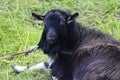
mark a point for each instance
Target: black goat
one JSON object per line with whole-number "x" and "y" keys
{"x": 76, "y": 52}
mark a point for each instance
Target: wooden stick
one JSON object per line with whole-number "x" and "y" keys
{"x": 15, "y": 54}
{"x": 10, "y": 55}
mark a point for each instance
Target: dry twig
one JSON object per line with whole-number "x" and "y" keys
{"x": 11, "y": 55}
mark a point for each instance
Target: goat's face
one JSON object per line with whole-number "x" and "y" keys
{"x": 55, "y": 22}
{"x": 55, "y": 26}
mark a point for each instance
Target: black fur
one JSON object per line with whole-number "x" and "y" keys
{"x": 91, "y": 54}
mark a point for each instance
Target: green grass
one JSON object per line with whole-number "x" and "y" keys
{"x": 19, "y": 31}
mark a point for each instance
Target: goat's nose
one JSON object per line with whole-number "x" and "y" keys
{"x": 51, "y": 36}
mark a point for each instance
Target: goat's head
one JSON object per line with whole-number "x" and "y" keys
{"x": 56, "y": 24}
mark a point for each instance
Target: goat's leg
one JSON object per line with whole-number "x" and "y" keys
{"x": 42, "y": 65}
{"x": 18, "y": 69}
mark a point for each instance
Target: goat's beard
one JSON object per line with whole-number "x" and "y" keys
{"x": 52, "y": 49}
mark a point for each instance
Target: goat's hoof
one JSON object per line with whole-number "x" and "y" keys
{"x": 14, "y": 69}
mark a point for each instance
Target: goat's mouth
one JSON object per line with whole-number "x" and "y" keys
{"x": 51, "y": 41}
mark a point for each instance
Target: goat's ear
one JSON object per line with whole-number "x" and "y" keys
{"x": 36, "y": 16}
{"x": 72, "y": 17}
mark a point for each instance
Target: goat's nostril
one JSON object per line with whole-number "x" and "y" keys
{"x": 53, "y": 35}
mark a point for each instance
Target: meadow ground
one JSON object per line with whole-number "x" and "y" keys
{"x": 19, "y": 31}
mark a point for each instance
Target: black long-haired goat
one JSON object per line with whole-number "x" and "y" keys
{"x": 76, "y": 52}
